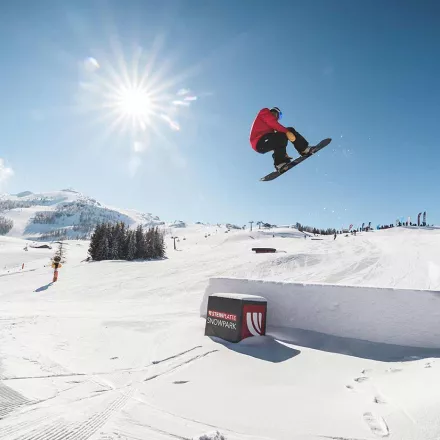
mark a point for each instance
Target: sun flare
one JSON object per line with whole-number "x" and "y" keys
{"x": 134, "y": 102}
{"x": 133, "y": 97}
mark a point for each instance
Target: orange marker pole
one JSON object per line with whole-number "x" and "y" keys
{"x": 56, "y": 265}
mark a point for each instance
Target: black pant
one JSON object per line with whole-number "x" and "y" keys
{"x": 277, "y": 142}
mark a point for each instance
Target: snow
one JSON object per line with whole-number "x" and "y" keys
{"x": 178, "y": 224}
{"x": 239, "y": 296}
{"x": 70, "y": 213}
{"x": 13, "y": 256}
{"x": 215, "y": 435}
{"x": 116, "y": 350}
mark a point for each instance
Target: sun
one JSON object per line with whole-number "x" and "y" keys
{"x": 134, "y": 102}
{"x": 132, "y": 105}
{"x": 134, "y": 97}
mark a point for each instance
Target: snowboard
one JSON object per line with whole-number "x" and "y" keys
{"x": 313, "y": 149}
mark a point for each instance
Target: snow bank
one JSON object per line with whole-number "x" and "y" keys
{"x": 284, "y": 234}
{"x": 392, "y": 316}
{"x": 422, "y": 228}
{"x": 240, "y": 296}
{"x": 178, "y": 224}
{"x": 215, "y": 435}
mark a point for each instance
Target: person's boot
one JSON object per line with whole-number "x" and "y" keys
{"x": 305, "y": 152}
{"x": 283, "y": 162}
{"x": 280, "y": 166}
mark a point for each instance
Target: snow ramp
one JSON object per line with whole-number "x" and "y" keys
{"x": 401, "y": 317}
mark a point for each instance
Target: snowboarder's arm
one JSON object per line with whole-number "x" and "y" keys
{"x": 271, "y": 121}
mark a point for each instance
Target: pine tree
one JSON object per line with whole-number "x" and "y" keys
{"x": 155, "y": 245}
{"x": 101, "y": 243}
{"x": 96, "y": 238}
{"x": 158, "y": 244}
{"x": 5, "y": 225}
{"x": 103, "y": 249}
{"x": 131, "y": 245}
{"x": 161, "y": 238}
{"x": 108, "y": 238}
{"x": 124, "y": 245}
{"x": 61, "y": 252}
{"x": 114, "y": 242}
{"x": 122, "y": 238}
{"x": 149, "y": 243}
{"x": 141, "y": 248}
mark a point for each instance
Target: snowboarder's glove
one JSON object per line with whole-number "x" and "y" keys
{"x": 291, "y": 136}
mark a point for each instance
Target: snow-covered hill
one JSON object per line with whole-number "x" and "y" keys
{"x": 116, "y": 350}
{"x": 63, "y": 214}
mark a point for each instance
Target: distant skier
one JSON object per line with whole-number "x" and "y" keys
{"x": 334, "y": 237}
{"x": 267, "y": 134}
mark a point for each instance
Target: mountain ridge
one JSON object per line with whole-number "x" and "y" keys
{"x": 64, "y": 214}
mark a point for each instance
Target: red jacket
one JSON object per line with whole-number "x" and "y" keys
{"x": 264, "y": 123}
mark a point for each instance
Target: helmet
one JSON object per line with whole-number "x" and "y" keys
{"x": 276, "y": 109}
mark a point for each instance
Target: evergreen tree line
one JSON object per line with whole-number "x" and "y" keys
{"x": 60, "y": 234}
{"x": 5, "y": 225}
{"x": 7, "y": 205}
{"x": 118, "y": 242}
{"x": 44, "y": 218}
{"x": 312, "y": 230}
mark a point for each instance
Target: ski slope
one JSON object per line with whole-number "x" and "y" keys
{"x": 115, "y": 350}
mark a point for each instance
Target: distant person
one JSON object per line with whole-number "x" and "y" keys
{"x": 334, "y": 238}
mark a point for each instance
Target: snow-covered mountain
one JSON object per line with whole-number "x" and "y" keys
{"x": 178, "y": 224}
{"x": 66, "y": 213}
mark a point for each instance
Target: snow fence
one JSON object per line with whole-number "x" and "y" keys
{"x": 392, "y": 316}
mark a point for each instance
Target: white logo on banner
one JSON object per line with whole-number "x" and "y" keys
{"x": 254, "y": 321}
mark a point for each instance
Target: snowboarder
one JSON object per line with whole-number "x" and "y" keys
{"x": 267, "y": 134}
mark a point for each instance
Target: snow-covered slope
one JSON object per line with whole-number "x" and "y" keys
{"x": 116, "y": 350}
{"x": 66, "y": 213}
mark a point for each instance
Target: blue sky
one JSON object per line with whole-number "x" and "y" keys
{"x": 363, "y": 73}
